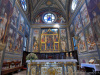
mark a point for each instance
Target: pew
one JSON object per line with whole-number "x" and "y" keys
{"x": 10, "y": 67}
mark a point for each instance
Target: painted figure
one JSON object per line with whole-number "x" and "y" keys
{"x": 3, "y": 21}
{"x": 49, "y": 42}
{"x": 56, "y": 38}
{"x": 96, "y": 21}
{"x": 35, "y": 44}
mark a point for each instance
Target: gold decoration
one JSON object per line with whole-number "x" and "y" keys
{"x": 44, "y": 41}
{"x": 49, "y": 3}
{"x": 33, "y": 71}
{"x": 51, "y": 71}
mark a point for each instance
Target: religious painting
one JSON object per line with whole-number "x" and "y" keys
{"x": 94, "y": 12}
{"x": 56, "y": 38}
{"x": 81, "y": 43}
{"x": 10, "y": 40}
{"x": 90, "y": 39}
{"x": 77, "y": 24}
{"x": 42, "y": 38}
{"x": 5, "y": 13}
{"x": 21, "y": 24}
{"x": 91, "y": 4}
{"x": 19, "y": 44}
{"x": 60, "y": 19}
{"x": 71, "y": 27}
{"x": 35, "y": 40}
{"x": 96, "y": 26}
{"x": 38, "y": 19}
{"x": 56, "y": 46}
{"x": 14, "y": 17}
{"x": 49, "y": 18}
{"x": 43, "y": 46}
{"x": 49, "y": 40}
{"x": 63, "y": 39}
{"x": 84, "y": 15}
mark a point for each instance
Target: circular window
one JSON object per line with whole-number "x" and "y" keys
{"x": 74, "y": 5}
{"x": 23, "y": 3}
{"x": 49, "y": 18}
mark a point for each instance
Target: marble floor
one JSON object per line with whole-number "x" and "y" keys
{"x": 78, "y": 73}
{"x": 20, "y": 73}
{"x": 24, "y": 73}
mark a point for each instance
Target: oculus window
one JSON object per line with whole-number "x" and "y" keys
{"x": 23, "y": 3}
{"x": 49, "y": 18}
{"x": 74, "y": 5}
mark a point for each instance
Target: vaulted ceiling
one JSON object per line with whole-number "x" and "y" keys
{"x": 37, "y": 6}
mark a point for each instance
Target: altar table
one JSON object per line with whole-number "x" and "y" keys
{"x": 96, "y": 67}
{"x": 52, "y": 67}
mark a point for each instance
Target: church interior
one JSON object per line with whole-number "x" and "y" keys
{"x": 49, "y": 37}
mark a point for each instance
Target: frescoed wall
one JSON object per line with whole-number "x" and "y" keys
{"x": 19, "y": 44}
{"x": 77, "y": 24}
{"x": 81, "y": 43}
{"x": 84, "y": 15}
{"x": 21, "y": 24}
{"x": 90, "y": 38}
{"x": 11, "y": 40}
{"x": 85, "y": 22}
{"x": 14, "y": 17}
{"x": 5, "y": 11}
{"x": 94, "y": 12}
{"x": 13, "y": 29}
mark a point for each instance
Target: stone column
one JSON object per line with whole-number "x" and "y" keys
{"x": 30, "y": 39}
{"x": 69, "y": 40}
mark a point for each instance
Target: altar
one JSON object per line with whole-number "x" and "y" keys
{"x": 52, "y": 67}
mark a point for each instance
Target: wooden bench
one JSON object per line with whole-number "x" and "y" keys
{"x": 9, "y": 67}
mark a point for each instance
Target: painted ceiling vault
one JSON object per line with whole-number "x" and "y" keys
{"x": 36, "y": 7}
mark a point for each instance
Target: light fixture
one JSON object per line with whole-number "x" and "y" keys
{"x": 56, "y": 26}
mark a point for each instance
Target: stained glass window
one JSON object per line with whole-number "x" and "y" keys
{"x": 74, "y": 4}
{"x": 23, "y": 3}
{"x": 49, "y": 18}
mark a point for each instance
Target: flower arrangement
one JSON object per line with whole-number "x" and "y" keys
{"x": 31, "y": 56}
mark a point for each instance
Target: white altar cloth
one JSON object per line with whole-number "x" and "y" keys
{"x": 54, "y": 60}
{"x": 95, "y": 66}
